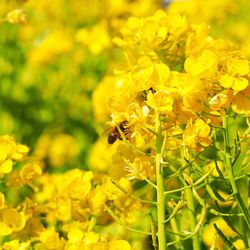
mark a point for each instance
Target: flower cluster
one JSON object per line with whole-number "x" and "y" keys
{"x": 59, "y": 211}
{"x": 173, "y": 90}
{"x": 230, "y": 22}
{"x": 176, "y": 69}
{"x": 10, "y": 151}
{"x": 170, "y": 171}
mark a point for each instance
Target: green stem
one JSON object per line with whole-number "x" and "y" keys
{"x": 160, "y": 188}
{"x": 229, "y": 167}
{"x": 192, "y": 217}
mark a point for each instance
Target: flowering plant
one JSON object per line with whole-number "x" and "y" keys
{"x": 173, "y": 169}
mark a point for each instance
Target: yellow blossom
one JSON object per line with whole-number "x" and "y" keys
{"x": 63, "y": 211}
{"x": 6, "y": 167}
{"x": 50, "y": 240}
{"x": 143, "y": 167}
{"x": 11, "y": 221}
{"x": 2, "y": 200}
{"x": 97, "y": 201}
{"x": 236, "y": 83}
{"x": 29, "y": 172}
{"x": 96, "y": 38}
{"x": 91, "y": 237}
{"x": 119, "y": 245}
{"x": 204, "y": 65}
{"x": 46, "y": 51}
{"x": 161, "y": 101}
{"x": 75, "y": 235}
{"x": 79, "y": 184}
{"x": 241, "y": 102}
{"x": 237, "y": 66}
{"x": 16, "y": 16}
{"x": 197, "y": 133}
{"x": 100, "y": 100}
{"x": 16, "y": 245}
{"x": 10, "y": 151}
{"x": 59, "y": 149}
{"x": 221, "y": 100}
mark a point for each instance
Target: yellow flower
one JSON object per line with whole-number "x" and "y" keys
{"x": 161, "y": 101}
{"x": 236, "y": 70}
{"x": 59, "y": 149}
{"x": 16, "y": 16}
{"x": 2, "y": 200}
{"x": 197, "y": 133}
{"x": 16, "y": 245}
{"x": 236, "y": 83}
{"x": 29, "y": 172}
{"x": 100, "y": 98}
{"x": 241, "y": 102}
{"x": 78, "y": 183}
{"x": 75, "y": 240}
{"x": 53, "y": 45}
{"x": 221, "y": 100}
{"x": 97, "y": 201}
{"x": 91, "y": 237}
{"x": 63, "y": 209}
{"x": 149, "y": 75}
{"x": 96, "y": 38}
{"x": 6, "y": 167}
{"x": 50, "y": 240}
{"x": 202, "y": 66}
{"x": 119, "y": 245}
{"x": 11, "y": 221}
{"x": 10, "y": 151}
{"x": 75, "y": 235}
{"x": 143, "y": 167}
{"x": 237, "y": 66}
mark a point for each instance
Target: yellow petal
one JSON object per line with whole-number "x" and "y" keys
{"x": 3, "y": 152}
{"x": 6, "y": 166}
{"x": 241, "y": 67}
{"x": 91, "y": 237}
{"x": 240, "y": 83}
{"x": 4, "y": 229}
{"x": 119, "y": 245}
{"x": 75, "y": 235}
{"x": 22, "y": 148}
{"x": 14, "y": 219}
{"x": 226, "y": 81}
{"x": 163, "y": 72}
{"x": 133, "y": 23}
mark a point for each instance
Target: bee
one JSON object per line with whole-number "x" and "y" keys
{"x": 114, "y": 134}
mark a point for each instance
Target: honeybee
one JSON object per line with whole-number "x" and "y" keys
{"x": 114, "y": 134}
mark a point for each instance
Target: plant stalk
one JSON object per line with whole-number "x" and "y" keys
{"x": 229, "y": 167}
{"x": 192, "y": 218}
{"x": 160, "y": 188}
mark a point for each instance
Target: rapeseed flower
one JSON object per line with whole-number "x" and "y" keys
{"x": 10, "y": 152}
{"x": 16, "y": 16}
{"x": 45, "y": 50}
{"x": 11, "y": 221}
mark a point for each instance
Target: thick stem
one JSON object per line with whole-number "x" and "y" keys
{"x": 229, "y": 167}
{"x": 160, "y": 188}
{"x": 192, "y": 218}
